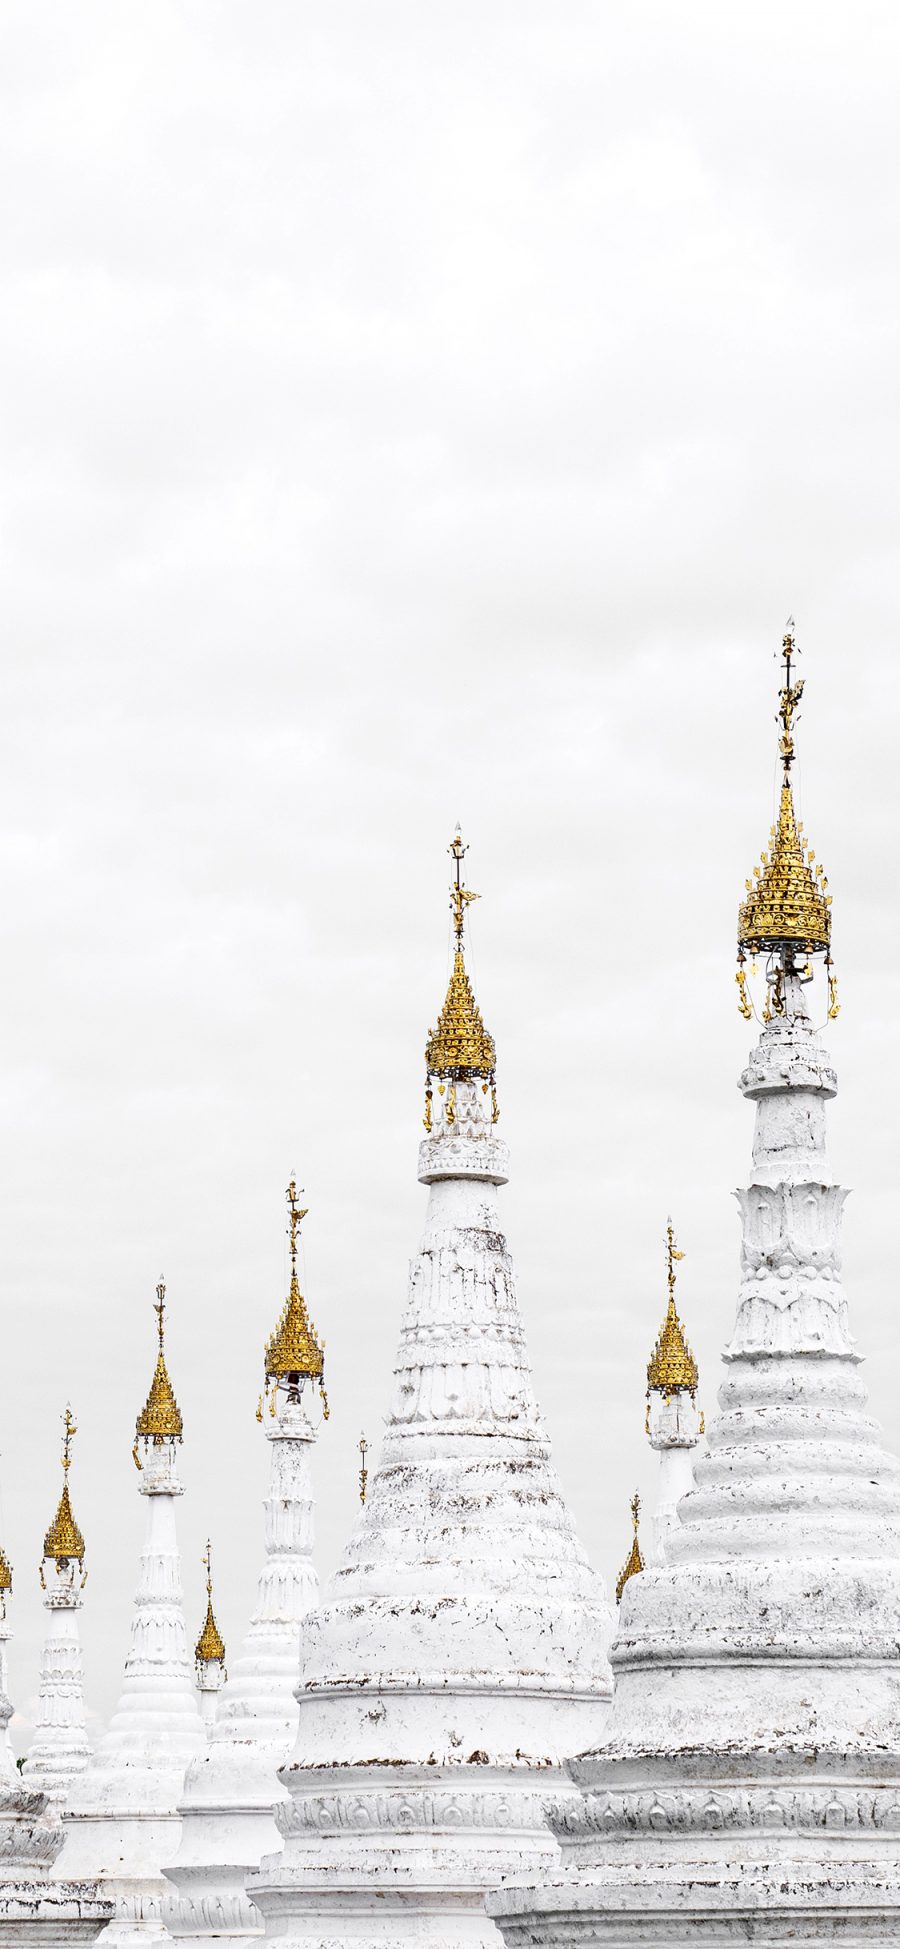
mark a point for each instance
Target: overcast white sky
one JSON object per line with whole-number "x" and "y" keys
{"x": 410, "y": 414}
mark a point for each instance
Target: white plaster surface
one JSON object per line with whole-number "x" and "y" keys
{"x": 121, "y": 1823}
{"x": 673, "y": 1427}
{"x": 748, "y": 1787}
{"x": 461, "y": 1650}
{"x": 60, "y": 1748}
{"x": 231, "y": 1789}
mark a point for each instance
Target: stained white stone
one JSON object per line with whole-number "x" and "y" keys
{"x": 461, "y": 1651}
{"x": 748, "y": 1787}
{"x": 231, "y": 1790}
{"x": 122, "y": 1822}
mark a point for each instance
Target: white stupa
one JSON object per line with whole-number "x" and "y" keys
{"x": 60, "y": 1749}
{"x": 209, "y": 1656}
{"x": 231, "y": 1789}
{"x": 122, "y": 1822}
{"x": 461, "y": 1651}
{"x": 37, "y": 1910}
{"x": 674, "y": 1422}
{"x": 748, "y": 1789}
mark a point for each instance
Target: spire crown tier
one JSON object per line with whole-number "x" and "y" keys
{"x": 460, "y": 1049}
{"x": 672, "y": 1366}
{"x": 160, "y": 1419}
{"x": 786, "y": 911}
{"x": 634, "y": 1563}
{"x": 63, "y": 1541}
{"x": 210, "y": 1646}
{"x": 294, "y": 1354}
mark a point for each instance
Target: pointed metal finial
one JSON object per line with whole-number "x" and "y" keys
{"x": 363, "y": 1472}
{"x": 460, "y": 897}
{"x": 296, "y": 1215}
{"x": 69, "y": 1431}
{"x": 635, "y": 1562}
{"x": 159, "y": 1309}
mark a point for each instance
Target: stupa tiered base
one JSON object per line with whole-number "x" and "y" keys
{"x": 749, "y": 1786}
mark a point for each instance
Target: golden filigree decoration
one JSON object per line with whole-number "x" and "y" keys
{"x": 160, "y": 1419}
{"x": 210, "y": 1646}
{"x": 786, "y": 910}
{"x": 635, "y": 1562}
{"x": 63, "y": 1540}
{"x": 363, "y": 1471}
{"x": 294, "y": 1353}
{"x": 672, "y": 1368}
{"x": 6, "y": 1578}
{"x": 460, "y": 1048}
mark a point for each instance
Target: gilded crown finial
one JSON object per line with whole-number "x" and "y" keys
{"x": 363, "y": 1471}
{"x": 294, "y": 1355}
{"x": 460, "y": 1049}
{"x": 634, "y": 1563}
{"x": 63, "y": 1541}
{"x": 672, "y": 1368}
{"x": 210, "y": 1646}
{"x": 786, "y": 912}
{"x": 160, "y": 1418}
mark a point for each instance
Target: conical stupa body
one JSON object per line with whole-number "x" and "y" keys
{"x": 122, "y": 1821}
{"x": 231, "y": 1789}
{"x": 748, "y": 1788}
{"x": 60, "y": 1749}
{"x": 461, "y": 1651}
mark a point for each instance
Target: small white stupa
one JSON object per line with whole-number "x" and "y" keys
{"x": 209, "y": 1654}
{"x": 60, "y": 1750}
{"x": 461, "y": 1651}
{"x": 121, "y": 1822}
{"x": 674, "y": 1421}
{"x": 231, "y": 1789}
{"x": 35, "y": 1909}
{"x": 748, "y": 1789}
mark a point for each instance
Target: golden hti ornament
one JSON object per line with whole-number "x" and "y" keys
{"x": 210, "y": 1646}
{"x": 363, "y": 1471}
{"x": 294, "y": 1355}
{"x": 460, "y": 1049}
{"x": 786, "y": 912}
{"x": 160, "y": 1418}
{"x": 671, "y": 1368}
{"x": 6, "y": 1581}
{"x": 63, "y": 1542}
{"x": 635, "y": 1562}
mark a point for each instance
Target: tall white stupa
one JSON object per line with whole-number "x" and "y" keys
{"x": 461, "y": 1651}
{"x": 38, "y": 1910}
{"x": 209, "y": 1654}
{"x": 232, "y": 1788}
{"x": 748, "y": 1788}
{"x": 60, "y": 1749}
{"x": 674, "y": 1422}
{"x": 121, "y": 1821}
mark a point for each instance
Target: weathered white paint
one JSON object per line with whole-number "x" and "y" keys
{"x": 461, "y": 1651}
{"x": 35, "y": 1910}
{"x": 60, "y": 1748}
{"x": 231, "y": 1790}
{"x": 122, "y": 1822}
{"x": 673, "y": 1426}
{"x": 749, "y": 1785}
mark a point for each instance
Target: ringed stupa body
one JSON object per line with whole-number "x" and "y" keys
{"x": 38, "y": 1908}
{"x": 461, "y": 1649}
{"x": 60, "y": 1748}
{"x": 121, "y": 1820}
{"x": 231, "y": 1789}
{"x": 748, "y": 1787}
